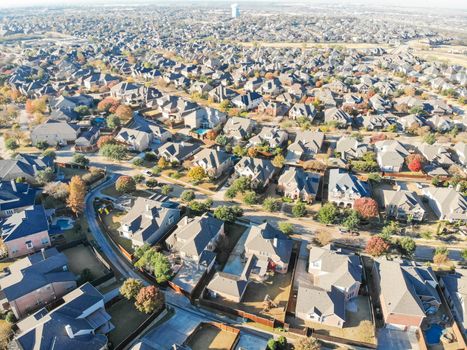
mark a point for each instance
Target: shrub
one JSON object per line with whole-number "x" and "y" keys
{"x": 250, "y": 197}
{"x": 299, "y": 209}
{"x": 327, "y": 214}
{"x": 187, "y": 196}
{"x": 125, "y": 184}
{"x": 376, "y": 246}
{"x": 271, "y": 204}
{"x": 149, "y": 299}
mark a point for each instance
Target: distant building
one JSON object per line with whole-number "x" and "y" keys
{"x": 235, "y": 11}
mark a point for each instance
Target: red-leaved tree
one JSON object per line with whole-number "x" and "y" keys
{"x": 415, "y": 165}
{"x": 366, "y": 207}
{"x": 149, "y": 299}
{"x": 376, "y": 246}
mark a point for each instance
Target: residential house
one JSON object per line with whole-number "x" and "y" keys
{"x": 35, "y": 281}
{"x": 390, "y": 155}
{"x": 87, "y": 141}
{"x": 80, "y": 323}
{"x": 374, "y": 122}
{"x": 259, "y": 171}
{"x": 26, "y": 231}
{"x": 344, "y": 188}
{"x": 447, "y": 203}
{"x": 214, "y": 162}
{"x": 295, "y": 183}
{"x": 349, "y": 148}
{"x": 55, "y": 133}
{"x": 298, "y": 110}
{"x": 239, "y": 128}
{"x": 221, "y": 93}
{"x": 23, "y": 166}
{"x": 436, "y": 154}
{"x": 305, "y": 146}
{"x": 338, "y": 117}
{"x": 454, "y": 287}
{"x": 406, "y": 306}
{"x": 247, "y": 101}
{"x": 15, "y": 197}
{"x": 272, "y": 136}
{"x": 157, "y": 134}
{"x": 136, "y": 140}
{"x": 273, "y": 109}
{"x": 148, "y": 221}
{"x": 178, "y": 151}
{"x": 461, "y": 150}
{"x": 403, "y": 205}
{"x": 205, "y": 118}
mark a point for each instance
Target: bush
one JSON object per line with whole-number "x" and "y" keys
{"x": 113, "y": 151}
{"x": 138, "y": 162}
{"x": 166, "y": 189}
{"x": 299, "y": 210}
{"x": 45, "y": 176}
{"x": 10, "y": 317}
{"x": 42, "y": 145}
{"x": 226, "y": 213}
{"x": 187, "y": 196}
{"x": 85, "y": 276}
{"x": 151, "y": 183}
{"x": 327, "y": 214}
{"x": 11, "y": 144}
{"x": 286, "y": 227}
{"x": 125, "y": 184}
{"x": 250, "y": 197}
{"x": 271, "y": 204}
{"x": 80, "y": 159}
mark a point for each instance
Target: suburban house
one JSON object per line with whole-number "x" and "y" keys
{"x": 454, "y": 287}
{"x": 406, "y": 306}
{"x": 23, "y": 166}
{"x": 80, "y": 323}
{"x": 338, "y": 117}
{"x": 447, "y": 203}
{"x": 26, "y": 231}
{"x": 247, "y": 101}
{"x": 349, "y": 148}
{"x": 55, "y": 133}
{"x": 298, "y": 110}
{"x": 35, "y": 281}
{"x": 259, "y": 171}
{"x": 273, "y": 108}
{"x": 157, "y": 134}
{"x": 15, "y": 197}
{"x": 296, "y": 183}
{"x": 344, "y": 188}
{"x": 436, "y": 154}
{"x": 305, "y": 146}
{"x": 148, "y": 221}
{"x": 375, "y": 122}
{"x": 390, "y": 155}
{"x": 271, "y": 136}
{"x": 87, "y": 141}
{"x": 239, "y": 128}
{"x": 136, "y": 140}
{"x": 461, "y": 150}
{"x": 204, "y": 118}
{"x": 214, "y": 162}
{"x": 403, "y": 205}
{"x": 178, "y": 151}
{"x": 221, "y": 93}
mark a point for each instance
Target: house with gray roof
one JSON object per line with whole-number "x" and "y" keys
{"x": 259, "y": 171}
{"x": 238, "y": 128}
{"x": 215, "y": 162}
{"x": 447, "y": 203}
{"x": 298, "y": 110}
{"x": 390, "y": 155}
{"x": 35, "y": 281}
{"x": 306, "y": 145}
{"x": 271, "y": 136}
{"x": 436, "y": 154}
{"x": 349, "y": 148}
{"x": 295, "y": 183}
{"x": 80, "y": 323}
{"x": 344, "y": 188}
{"x": 55, "y": 133}
{"x": 23, "y": 166}
{"x": 178, "y": 151}
{"x": 461, "y": 149}
{"x": 148, "y": 221}
{"x": 337, "y": 116}
{"x": 406, "y": 306}
{"x": 204, "y": 118}
{"x": 403, "y": 205}
{"x": 136, "y": 140}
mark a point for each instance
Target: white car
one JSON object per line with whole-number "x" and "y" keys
{"x": 147, "y": 172}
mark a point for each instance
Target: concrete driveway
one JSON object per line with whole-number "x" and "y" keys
{"x": 391, "y": 339}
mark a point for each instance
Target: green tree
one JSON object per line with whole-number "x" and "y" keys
{"x": 113, "y": 121}
{"x": 139, "y": 251}
{"x": 11, "y": 144}
{"x": 352, "y": 220}
{"x": 113, "y": 151}
{"x": 429, "y": 138}
{"x": 239, "y": 151}
{"x": 389, "y": 230}
{"x": 231, "y": 192}
{"x": 44, "y": 176}
{"x": 408, "y": 245}
{"x": 250, "y": 197}
{"x": 278, "y": 161}
{"x": 187, "y": 196}
{"x": 42, "y": 145}
{"x": 166, "y": 189}
{"x": 222, "y": 140}
{"x": 49, "y": 154}
{"x": 299, "y": 209}
{"x": 286, "y": 227}
{"x": 200, "y": 206}
{"x": 327, "y": 214}
{"x": 162, "y": 268}
{"x": 80, "y": 159}
{"x": 138, "y": 162}
{"x": 271, "y": 204}
{"x": 226, "y": 213}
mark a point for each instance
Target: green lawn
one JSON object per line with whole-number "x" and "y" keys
{"x": 112, "y": 223}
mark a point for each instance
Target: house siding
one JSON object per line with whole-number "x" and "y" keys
{"x": 17, "y": 247}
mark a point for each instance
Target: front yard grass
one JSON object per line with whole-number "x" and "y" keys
{"x": 126, "y": 320}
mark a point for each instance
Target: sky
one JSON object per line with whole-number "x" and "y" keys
{"x": 457, "y": 4}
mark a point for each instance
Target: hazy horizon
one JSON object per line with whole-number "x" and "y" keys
{"x": 446, "y": 4}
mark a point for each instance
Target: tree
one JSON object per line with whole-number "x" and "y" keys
{"x": 82, "y": 110}
{"x": 226, "y": 213}
{"x": 196, "y": 173}
{"x": 464, "y": 254}
{"x": 252, "y": 152}
{"x": 272, "y": 344}
{"x": 200, "y": 207}
{"x": 250, "y": 197}
{"x": 104, "y": 140}
{"x": 149, "y": 299}
{"x": 327, "y": 214}
{"x": 42, "y": 145}
{"x": 125, "y": 184}
{"x": 307, "y": 344}
{"x": 162, "y": 163}
{"x": 113, "y": 151}
{"x": 231, "y": 192}
{"x": 138, "y": 162}
{"x": 239, "y": 151}
{"x": 376, "y": 246}
{"x": 389, "y": 230}
{"x": 222, "y": 140}
{"x": 124, "y": 112}
{"x": 113, "y": 121}
{"x": 77, "y": 194}
{"x": 286, "y": 227}
{"x": 440, "y": 259}
{"x": 187, "y": 196}
{"x": 139, "y": 251}
{"x": 408, "y": 245}
{"x": 80, "y": 159}
{"x": 45, "y": 176}
{"x": 367, "y": 207}
{"x": 429, "y": 138}
{"x": 57, "y": 190}
{"x": 161, "y": 267}
{"x": 49, "y": 154}
{"x": 166, "y": 189}
{"x": 6, "y": 333}
{"x": 108, "y": 104}
{"x": 278, "y": 161}
{"x": 415, "y": 165}
{"x": 271, "y": 204}
{"x": 299, "y": 209}
{"x": 352, "y": 220}
{"x": 11, "y": 144}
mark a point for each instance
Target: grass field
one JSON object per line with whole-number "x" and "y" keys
{"x": 81, "y": 257}
{"x": 210, "y": 337}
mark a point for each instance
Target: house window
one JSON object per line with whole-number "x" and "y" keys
{"x": 29, "y": 245}
{"x": 45, "y": 241}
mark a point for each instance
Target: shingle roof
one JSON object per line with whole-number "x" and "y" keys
{"x": 27, "y": 222}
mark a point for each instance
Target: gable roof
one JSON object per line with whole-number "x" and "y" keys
{"x": 16, "y": 195}
{"x": 27, "y": 222}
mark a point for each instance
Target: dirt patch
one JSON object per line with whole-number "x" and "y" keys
{"x": 210, "y": 337}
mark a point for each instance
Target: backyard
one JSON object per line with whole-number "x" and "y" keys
{"x": 208, "y": 336}
{"x": 112, "y": 223}
{"x": 233, "y": 233}
{"x": 81, "y": 257}
{"x": 111, "y": 191}
{"x": 125, "y": 318}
